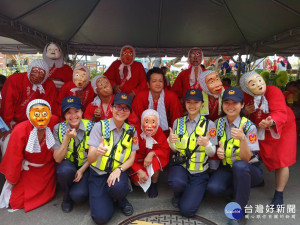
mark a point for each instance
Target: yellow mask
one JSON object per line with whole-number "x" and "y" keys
{"x": 40, "y": 116}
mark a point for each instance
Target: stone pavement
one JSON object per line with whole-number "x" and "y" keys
{"x": 211, "y": 208}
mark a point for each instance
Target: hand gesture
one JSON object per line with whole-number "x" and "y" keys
{"x": 238, "y": 133}
{"x": 249, "y": 109}
{"x": 97, "y": 112}
{"x": 71, "y": 133}
{"x": 265, "y": 123}
{"x": 220, "y": 151}
{"x": 117, "y": 89}
{"x": 172, "y": 137}
{"x": 142, "y": 175}
{"x": 115, "y": 175}
{"x": 148, "y": 159}
{"x": 78, "y": 176}
{"x": 203, "y": 140}
{"x": 102, "y": 149}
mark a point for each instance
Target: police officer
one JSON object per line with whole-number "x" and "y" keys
{"x": 238, "y": 147}
{"x": 112, "y": 151}
{"x": 194, "y": 139}
{"x": 70, "y": 152}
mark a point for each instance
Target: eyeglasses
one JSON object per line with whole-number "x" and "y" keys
{"x": 119, "y": 108}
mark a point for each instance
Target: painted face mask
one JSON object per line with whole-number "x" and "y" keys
{"x": 104, "y": 87}
{"x": 53, "y": 52}
{"x": 195, "y": 57}
{"x": 150, "y": 125}
{"x": 256, "y": 84}
{"x": 37, "y": 75}
{"x": 213, "y": 83}
{"x": 80, "y": 78}
{"x": 39, "y": 116}
{"x": 127, "y": 55}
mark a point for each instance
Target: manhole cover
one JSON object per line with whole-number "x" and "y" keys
{"x": 165, "y": 217}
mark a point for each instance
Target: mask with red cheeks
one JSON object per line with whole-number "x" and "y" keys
{"x": 150, "y": 125}
{"x": 213, "y": 83}
{"x": 127, "y": 55}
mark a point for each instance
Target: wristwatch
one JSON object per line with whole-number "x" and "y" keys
{"x": 273, "y": 124}
{"x": 120, "y": 168}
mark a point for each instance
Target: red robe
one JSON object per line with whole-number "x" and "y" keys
{"x": 160, "y": 159}
{"x": 172, "y": 105}
{"x": 33, "y": 187}
{"x": 64, "y": 73}
{"x": 17, "y": 93}
{"x": 276, "y": 153}
{"x": 136, "y": 83}
{"x": 133, "y": 120}
{"x": 182, "y": 83}
{"x": 88, "y": 94}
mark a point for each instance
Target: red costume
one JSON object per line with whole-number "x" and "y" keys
{"x": 89, "y": 113}
{"x": 33, "y": 187}
{"x": 160, "y": 160}
{"x": 88, "y": 93}
{"x": 172, "y": 105}
{"x": 276, "y": 153}
{"x": 17, "y": 93}
{"x": 64, "y": 73}
{"x": 182, "y": 83}
{"x": 136, "y": 83}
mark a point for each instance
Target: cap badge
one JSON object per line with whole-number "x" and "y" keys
{"x": 123, "y": 96}
{"x": 70, "y": 100}
{"x": 193, "y": 92}
{"x": 231, "y": 92}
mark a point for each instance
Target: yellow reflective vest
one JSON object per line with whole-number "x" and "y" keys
{"x": 188, "y": 142}
{"x": 117, "y": 154}
{"x": 80, "y": 154}
{"x": 232, "y": 145}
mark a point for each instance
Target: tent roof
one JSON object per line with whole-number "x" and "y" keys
{"x": 156, "y": 27}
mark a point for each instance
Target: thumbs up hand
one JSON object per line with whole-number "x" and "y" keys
{"x": 102, "y": 149}
{"x": 172, "y": 137}
{"x": 238, "y": 133}
{"x": 203, "y": 140}
{"x": 265, "y": 123}
{"x": 220, "y": 151}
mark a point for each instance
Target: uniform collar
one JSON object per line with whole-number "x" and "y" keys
{"x": 112, "y": 125}
{"x": 196, "y": 118}
{"x": 236, "y": 122}
{"x": 81, "y": 126}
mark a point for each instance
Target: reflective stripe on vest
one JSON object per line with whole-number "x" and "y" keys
{"x": 189, "y": 142}
{"x": 231, "y": 146}
{"x": 82, "y": 148}
{"x": 116, "y": 154}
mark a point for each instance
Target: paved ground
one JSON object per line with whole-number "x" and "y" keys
{"x": 211, "y": 208}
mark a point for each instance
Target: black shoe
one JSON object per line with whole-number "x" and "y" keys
{"x": 152, "y": 191}
{"x": 175, "y": 201}
{"x": 277, "y": 199}
{"x": 126, "y": 207}
{"x": 67, "y": 206}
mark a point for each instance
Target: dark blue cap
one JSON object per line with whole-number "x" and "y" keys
{"x": 195, "y": 94}
{"x": 70, "y": 102}
{"x": 234, "y": 94}
{"x": 122, "y": 98}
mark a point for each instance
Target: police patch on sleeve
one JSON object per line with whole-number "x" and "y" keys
{"x": 252, "y": 137}
{"x": 135, "y": 139}
{"x": 212, "y": 132}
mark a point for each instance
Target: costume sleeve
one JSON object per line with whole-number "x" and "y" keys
{"x": 137, "y": 104}
{"x": 68, "y": 73}
{"x": 111, "y": 72}
{"x": 11, "y": 164}
{"x": 141, "y": 75}
{"x": 277, "y": 106}
{"x": 89, "y": 112}
{"x": 9, "y": 98}
{"x": 178, "y": 85}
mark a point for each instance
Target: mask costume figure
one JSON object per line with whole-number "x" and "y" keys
{"x": 80, "y": 87}
{"x": 59, "y": 72}
{"x": 266, "y": 107}
{"x": 28, "y": 164}
{"x": 127, "y": 75}
{"x": 70, "y": 153}
{"x": 113, "y": 145}
{"x": 189, "y": 78}
{"x": 153, "y": 154}
{"x": 192, "y": 139}
{"x": 101, "y": 107}
{"x": 21, "y": 88}
{"x": 165, "y": 102}
{"x": 212, "y": 91}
